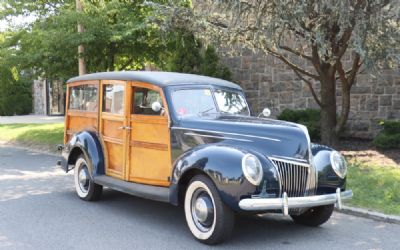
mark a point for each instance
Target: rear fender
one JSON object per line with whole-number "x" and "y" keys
{"x": 88, "y": 144}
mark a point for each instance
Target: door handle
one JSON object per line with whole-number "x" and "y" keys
{"x": 125, "y": 127}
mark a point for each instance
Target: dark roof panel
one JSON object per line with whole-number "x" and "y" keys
{"x": 156, "y": 77}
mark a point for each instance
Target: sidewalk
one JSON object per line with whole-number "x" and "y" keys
{"x": 41, "y": 119}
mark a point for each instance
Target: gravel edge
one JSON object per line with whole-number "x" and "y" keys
{"x": 369, "y": 214}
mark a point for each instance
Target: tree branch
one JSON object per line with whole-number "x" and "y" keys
{"x": 297, "y": 53}
{"x": 309, "y": 84}
{"x": 292, "y": 65}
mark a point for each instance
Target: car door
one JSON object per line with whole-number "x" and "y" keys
{"x": 113, "y": 124}
{"x": 149, "y": 151}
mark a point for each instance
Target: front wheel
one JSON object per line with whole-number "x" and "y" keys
{"x": 314, "y": 216}
{"x": 84, "y": 185}
{"x": 208, "y": 218}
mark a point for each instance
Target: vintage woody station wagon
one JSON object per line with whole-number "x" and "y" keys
{"x": 191, "y": 140}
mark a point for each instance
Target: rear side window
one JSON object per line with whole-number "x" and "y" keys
{"x": 84, "y": 98}
{"x": 113, "y": 99}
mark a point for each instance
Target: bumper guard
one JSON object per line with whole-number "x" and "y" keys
{"x": 285, "y": 203}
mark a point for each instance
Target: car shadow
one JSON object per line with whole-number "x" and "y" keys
{"x": 249, "y": 229}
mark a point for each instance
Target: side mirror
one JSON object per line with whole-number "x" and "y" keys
{"x": 156, "y": 106}
{"x": 266, "y": 112}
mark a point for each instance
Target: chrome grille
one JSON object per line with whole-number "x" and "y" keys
{"x": 297, "y": 179}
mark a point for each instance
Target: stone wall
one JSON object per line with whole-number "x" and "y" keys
{"x": 39, "y": 97}
{"x": 270, "y": 83}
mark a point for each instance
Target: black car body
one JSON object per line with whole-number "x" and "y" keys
{"x": 243, "y": 162}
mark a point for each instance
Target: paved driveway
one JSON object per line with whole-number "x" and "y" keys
{"x": 39, "y": 210}
{"x": 30, "y": 119}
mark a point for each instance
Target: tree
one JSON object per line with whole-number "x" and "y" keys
{"x": 117, "y": 36}
{"x": 187, "y": 54}
{"x": 311, "y": 37}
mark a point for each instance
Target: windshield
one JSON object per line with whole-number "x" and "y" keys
{"x": 201, "y": 102}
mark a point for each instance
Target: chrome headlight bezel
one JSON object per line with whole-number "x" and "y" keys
{"x": 339, "y": 164}
{"x": 250, "y": 163}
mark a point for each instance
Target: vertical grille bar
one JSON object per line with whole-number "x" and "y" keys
{"x": 296, "y": 179}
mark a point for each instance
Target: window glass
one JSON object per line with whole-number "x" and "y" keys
{"x": 143, "y": 99}
{"x": 193, "y": 102}
{"x": 113, "y": 98}
{"x": 83, "y": 97}
{"x": 231, "y": 102}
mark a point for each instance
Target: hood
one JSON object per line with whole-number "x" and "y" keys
{"x": 267, "y": 136}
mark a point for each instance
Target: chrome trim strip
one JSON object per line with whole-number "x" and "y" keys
{"x": 288, "y": 158}
{"x": 218, "y": 137}
{"x": 290, "y": 162}
{"x": 227, "y": 133}
{"x": 260, "y": 204}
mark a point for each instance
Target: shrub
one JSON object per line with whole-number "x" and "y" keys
{"x": 188, "y": 55}
{"x": 389, "y": 137}
{"x": 307, "y": 117}
{"x": 15, "y": 94}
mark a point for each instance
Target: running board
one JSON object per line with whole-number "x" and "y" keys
{"x": 140, "y": 190}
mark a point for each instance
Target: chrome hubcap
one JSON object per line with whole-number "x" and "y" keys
{"x": 83, "y": 178}
{"x": 202, "y": 210}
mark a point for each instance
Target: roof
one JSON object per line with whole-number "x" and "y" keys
{"x": 158, "y": 78}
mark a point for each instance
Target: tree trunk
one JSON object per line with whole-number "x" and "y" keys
{"x": 81, "y": 48}
{"x": 328, "y": 108}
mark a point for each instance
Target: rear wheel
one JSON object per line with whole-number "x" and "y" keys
{"x": 208, "y": 218}
{"x": 314, "y": 216}
{"x": 84, "y": 185}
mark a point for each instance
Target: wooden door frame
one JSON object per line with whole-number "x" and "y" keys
{"x": 147, "y": 119}
{"x": 114, "y": 117}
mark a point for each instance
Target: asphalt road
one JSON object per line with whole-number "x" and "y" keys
{"x": 40, "y": 210}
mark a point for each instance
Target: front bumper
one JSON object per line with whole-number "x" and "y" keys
{"x": 285, "y": 203}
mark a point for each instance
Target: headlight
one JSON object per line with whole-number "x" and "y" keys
{"x": 339, "y": 164}
{"x": 252, "y": 169}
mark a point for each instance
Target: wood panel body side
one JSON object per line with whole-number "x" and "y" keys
{"x": 113, "y": 136}
{"x": 149, "y": 145}
{"x": 79, "y": 120}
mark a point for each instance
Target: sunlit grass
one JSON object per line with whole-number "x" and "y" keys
{"x": 41, "y": 134}
{"x": 375, "y": 187}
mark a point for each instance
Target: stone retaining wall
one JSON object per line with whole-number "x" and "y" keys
{"x": 270, "y": 83}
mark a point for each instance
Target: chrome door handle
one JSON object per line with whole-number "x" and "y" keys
{"x": 125, "y": 127}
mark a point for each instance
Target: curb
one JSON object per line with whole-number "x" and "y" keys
{"x": 369, "y": 214}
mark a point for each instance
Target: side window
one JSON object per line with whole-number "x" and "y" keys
{"x": 83, "y": 97}
{"x": 143, "y": 99}
{"x": 113, "y": 98}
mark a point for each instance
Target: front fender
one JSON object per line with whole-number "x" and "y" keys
{"x": 88, "y": 143}
{"x": 223, "y": 165}
{"x": 328, "y": 181}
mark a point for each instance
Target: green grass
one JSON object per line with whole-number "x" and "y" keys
{"x": 375, "y": 187}
{"x": 33, "y": 134}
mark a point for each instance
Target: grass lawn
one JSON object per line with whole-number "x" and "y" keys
{"x": 375, "y": 187}
{"x": 35, "y": 135}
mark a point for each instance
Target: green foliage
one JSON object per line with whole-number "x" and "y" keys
{"x": 188, "y": 55}
{"x": 118, "y": 36}
{"x": 389, "y": 137}
{"x": 15, "y": 94}
{"x": 308, "y": 117}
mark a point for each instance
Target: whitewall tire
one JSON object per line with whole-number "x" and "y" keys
{"x": 85, "y": 188}
{"x": 208, "y": 218}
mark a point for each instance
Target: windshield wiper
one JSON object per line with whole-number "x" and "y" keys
{"x": 205, "y": 111}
